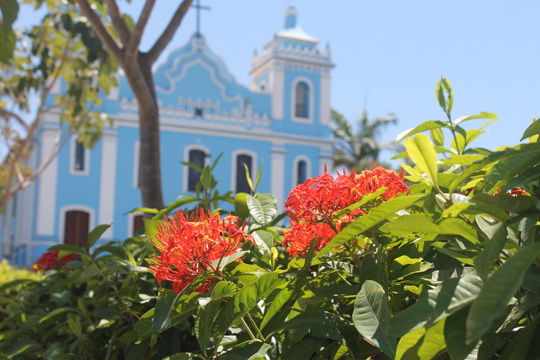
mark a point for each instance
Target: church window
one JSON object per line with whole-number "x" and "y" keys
{"x": 138, "y": 224}
{"x": 79, "y": 158}
{"x": 242, "y": 184}
{"x": 198, "y": 158}
{"x": 301, "y": 172}
{"x": 198, "y": 112}
{"x": 302, "y": 100}
{"x": 76, "y": 226}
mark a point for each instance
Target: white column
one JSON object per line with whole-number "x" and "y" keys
{"x": 325, "y": 99}
{"x": 278, "y": 175}
{"x": 277, "y": 83}
{"x": 325, "y": 158}
{"x": 108, "y": 181}
{"x": 47, "y": 184}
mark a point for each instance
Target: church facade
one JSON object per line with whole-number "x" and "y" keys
{"x": 281, "y": 121}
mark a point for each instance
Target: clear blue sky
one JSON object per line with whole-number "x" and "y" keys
{"x": 389, "y": 54}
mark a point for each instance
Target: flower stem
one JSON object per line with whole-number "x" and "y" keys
{"x": 259, "y": 334}
{"x": 248, "y": 329}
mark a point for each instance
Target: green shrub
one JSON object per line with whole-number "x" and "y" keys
{"x": 447, "y": 267}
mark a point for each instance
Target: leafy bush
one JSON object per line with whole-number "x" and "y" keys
{"x": 444, "y": 266}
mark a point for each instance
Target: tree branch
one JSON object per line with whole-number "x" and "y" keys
{"x": 132, "y": 47}
{"x": 169, "y": 31}
{"x": 101, "y": 30}
{"x": 118, "y": 22}
{"x": 8, "y": 114}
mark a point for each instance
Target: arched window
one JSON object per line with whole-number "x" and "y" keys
{"x": 302, "y": 100}
{"x": 138, "y": 223}
{"x": 302, "y": 172}
{"x": 196, "y": 157}
{"x": 79, "y": 158}
{"x": 242, "y": 184}
{"x": 76, "y": 227}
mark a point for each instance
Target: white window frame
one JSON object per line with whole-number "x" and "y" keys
{"x": 73, "y": 148}
{"x": 136, "y": 164}
{"x": 295, "y": 168}
{"x": 62, "y": 220}
{"x": 311, "y": 96}
{"x": 187, "y": 149}
{"x": 234, "y": 162}
{"x": 131, "y": 220}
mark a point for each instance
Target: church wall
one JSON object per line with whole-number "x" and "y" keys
{"x": 305, "y": 128}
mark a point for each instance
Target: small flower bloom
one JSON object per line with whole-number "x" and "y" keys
{"x": 189, "y": 246}
{"x": 297, "y": 239}
{"x": 49, "y": 260}
{"x": 512, "y": 192}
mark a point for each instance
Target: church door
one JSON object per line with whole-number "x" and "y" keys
{"x": 76, "y": 228}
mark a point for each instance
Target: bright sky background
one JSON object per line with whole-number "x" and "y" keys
{"x": 389, "y": 54}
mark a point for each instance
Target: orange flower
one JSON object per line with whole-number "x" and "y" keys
{"x": 189, "y": 246}
{"x": 313, "y": 204}
{"x": 298, "y": 238}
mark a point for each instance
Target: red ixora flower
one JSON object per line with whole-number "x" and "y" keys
{"x": 49, "y": 260}
{"x": 189, "y": 246}
{"x": 513, "y": 192}
{"x": 317, "y": 200}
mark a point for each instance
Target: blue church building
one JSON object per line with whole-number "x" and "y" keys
{"x": 282, "y": 120}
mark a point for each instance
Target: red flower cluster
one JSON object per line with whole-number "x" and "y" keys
{"x": 312, "y": 205}
{"x": 189, "y": 246}
{"x": 513, "y": 192}
{"x": 49, "y": 260}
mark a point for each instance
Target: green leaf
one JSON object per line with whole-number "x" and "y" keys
{"x": 95, "y": 234}
{"x": 437, "y": 136}
{"x": 533, "y": 129}
{"x": 450, "y": 100}
{"x": 205, "y": 320}
{"x": 473, "y": 208}
{"x": 174, "y": 205}
{"x": 433, "y": 305}
{"x": 425, "y": 126}
{"x": 69, "y": 248}
{"x": 9, "y": 9}
{"x": 367, "y": 202}
{"x": 183, "y": 356}
{"x": 264, "y": 240}
{"x": 491, "y": 253}
{"x": 519, "y": 347}
{"x": 439, "y": 92}
{"x": 422, "y": 344}
{"x": 372, "y": 218}
{"x": 263, "y": 208}
{"x": 55, "y": 313}
{"x": 151, "y": 228}
{"x": 248, "y": 178}
{"x": 482, "y": 115}
{"x": 422, "y": 152}
{"x": 371, "y": 316}
{"x": 241, "y": 208}
{"x": 249, "y": 350}
{"x": 498, "y": 291}
{"x": 162, "y": 316}
{"x": 455, "y": 335}
{"x": 320, "y": 324}
{"x": 462, "y": 159}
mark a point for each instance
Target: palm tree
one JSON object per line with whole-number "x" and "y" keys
{"x": 359, "y": 148}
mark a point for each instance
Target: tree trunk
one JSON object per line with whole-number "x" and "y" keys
{"x": 142, "y": 84}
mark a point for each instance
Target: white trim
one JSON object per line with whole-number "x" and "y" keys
{"x": 108, "y": 181}
{"x": 234, "y": 164}
{"x": 46, "y": 204}
{"x": 136, "y": 164}
{"x": 211, "y": 71}
{"x": 187, "y": 126}
{"x": 72, "y": 150}
{"x": 65, "y": 209}
{"x": 131, "y": 220}
{"x": 295, "y": 168}
{"x": 311, "y": 91}
{"x": 187, "y": 149}
{"x": 324, "y": 99}
{"x": 277, "y": 186}
{"x": 276, "y": 80}
{"x": 265, "y": 89}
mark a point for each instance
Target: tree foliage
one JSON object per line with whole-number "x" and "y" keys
{"x": 357, "y": 146}
{"x": 60, "y": 53}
